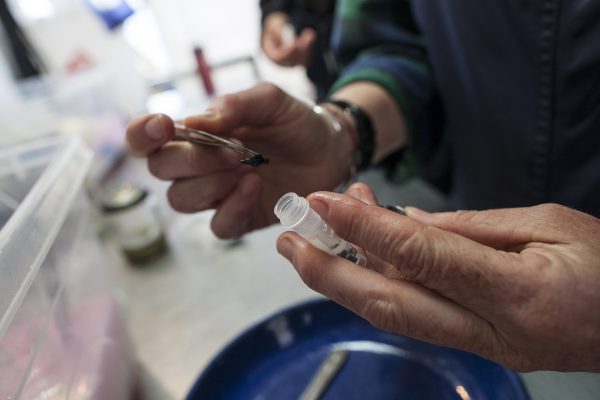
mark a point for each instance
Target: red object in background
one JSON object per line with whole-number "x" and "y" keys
{"x": 204, "y": 71}
{"x": 79, "y": 62}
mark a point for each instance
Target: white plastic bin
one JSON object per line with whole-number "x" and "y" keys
{"x": 62, "y": 335}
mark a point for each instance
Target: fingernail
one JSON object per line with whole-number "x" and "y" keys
{"x": 354, "y": 191}
{"x": 192, "y": 120}
{"x": 285, "y": 248}
{"x": 359, "y": 194}
{"x": 321, "y": 208}
{"x": 208, "y": 113}
{"x": 155, "y": 128}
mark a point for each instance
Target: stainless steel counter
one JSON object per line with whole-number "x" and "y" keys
{"x": 184, "y": 308}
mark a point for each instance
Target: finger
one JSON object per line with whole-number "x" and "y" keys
{"x": 233, "y": 216}
{"x": 274, "y": 36}
{"x": 283, "y": 52}
{"x": 148, "y": 133}
{"x": 176, "y": 160}
{"x": 197, "y": 194}
{"x": 362, "y": 192}
{"x": 284, "y": 56}
{"x": 471, "y": 274}
{"x": 504, "y": 229}
{"x": 306, "y": 39}
{"x": 252, "y": 107}
{"x": 378, "y": 265}
{"x": 273, "y": 27}
{"x": 280, "y": 51}
{"x": 396, "y": 306}
{"x": 272, "y": 45}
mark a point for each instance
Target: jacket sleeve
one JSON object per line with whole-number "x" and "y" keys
{"x": 378, "y": 41}
{"x": 269, "y": 6}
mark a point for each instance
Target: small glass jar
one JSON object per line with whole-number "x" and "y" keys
{"x": 133, "y": 212}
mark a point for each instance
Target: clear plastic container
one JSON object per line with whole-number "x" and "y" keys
{"x": 62, "y": 334}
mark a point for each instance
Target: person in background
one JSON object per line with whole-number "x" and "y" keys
{"x": 298, "y": 32}
{"x": 515, "y": 87}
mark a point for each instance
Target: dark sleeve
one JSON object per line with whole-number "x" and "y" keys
{"x": 269, "y": 6}
{"x": 378, "y": 41}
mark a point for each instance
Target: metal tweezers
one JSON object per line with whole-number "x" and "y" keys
{"x": 197, "y": 136}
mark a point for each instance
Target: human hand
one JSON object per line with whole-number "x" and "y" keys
{"x": 305, "y": 153}
{"x": 519, "y": 286}
{"x": 286, "y": 49}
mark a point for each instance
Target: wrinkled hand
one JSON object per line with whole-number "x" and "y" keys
{"x": 305, "y": 154}
{"x": 519, "y": 286}
{"x": 282, "y": 50}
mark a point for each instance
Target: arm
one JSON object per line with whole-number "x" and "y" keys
{"x": 387, "y": 74}
{"x": 388, "y": 121}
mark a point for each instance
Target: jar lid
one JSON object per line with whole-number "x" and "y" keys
{"x": 123, "y": 199}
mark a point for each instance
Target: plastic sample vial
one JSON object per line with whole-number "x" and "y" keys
{"x": 294, "y": 213}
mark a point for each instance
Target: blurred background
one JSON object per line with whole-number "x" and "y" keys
{"x": 80, "y": 316}
{"x": 85, "y": 67}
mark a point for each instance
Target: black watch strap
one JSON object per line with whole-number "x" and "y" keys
{"x": 363, "y": 155}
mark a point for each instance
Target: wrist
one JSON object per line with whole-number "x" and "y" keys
{"x": 361, "y": 131}
{"x": 346, "y": 121}
{"x": 343, "y": 143}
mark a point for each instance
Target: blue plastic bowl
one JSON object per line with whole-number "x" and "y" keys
{"x": 277, "y": 358}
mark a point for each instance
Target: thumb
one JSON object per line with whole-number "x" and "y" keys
{"x": 307, "y": 38}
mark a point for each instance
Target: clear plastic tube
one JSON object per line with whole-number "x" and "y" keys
{"x": 294, "y": 213}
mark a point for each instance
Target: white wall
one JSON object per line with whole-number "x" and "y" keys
{"x": 168, "y": 28}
